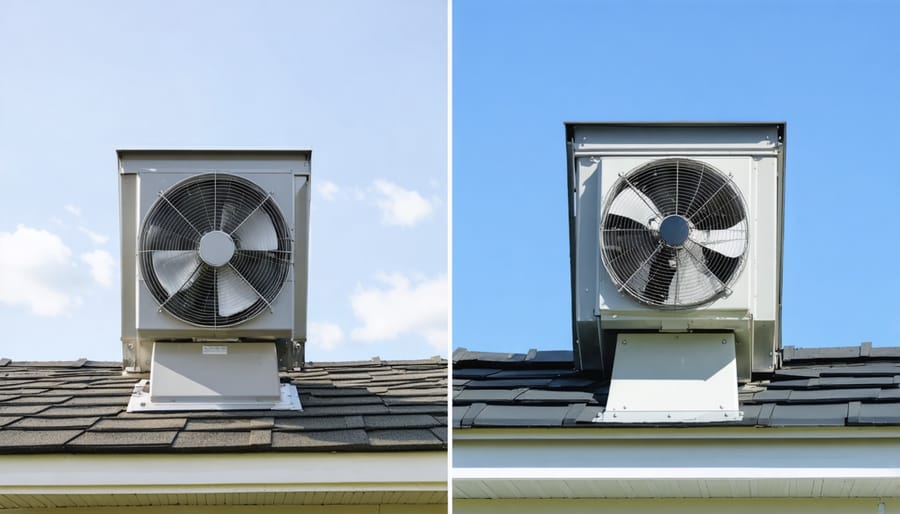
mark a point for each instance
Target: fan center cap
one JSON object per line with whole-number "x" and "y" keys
{"x": 674, "y": 230}
{"x": 216, "y": 248}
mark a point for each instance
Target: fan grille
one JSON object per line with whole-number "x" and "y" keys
{"x": 674, "y": 233}
{"x": 250, "y": 248}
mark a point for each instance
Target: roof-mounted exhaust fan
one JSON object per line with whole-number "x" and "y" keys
{"x": 676, "y": 262}
{"x": 214, "y": 249}
{"x": 674, "y": 233}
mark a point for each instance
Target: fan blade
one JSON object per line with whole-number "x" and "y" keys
{"x": 730, "y": 242}
{"x": 693, "y": 279}
{"x": 234, "y": 294}
{"x": 661, "y": 271}
{"x": 634, "y": 205}
{"x": 722, "y": 266}
{"x": 173, "y": 268}
{"x": 257, "y": 232}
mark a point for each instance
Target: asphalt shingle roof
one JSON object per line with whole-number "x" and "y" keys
{"x": 844, "y": 386}
{"x": 53, "y": 407}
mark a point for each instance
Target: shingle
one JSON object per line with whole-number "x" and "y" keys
{"x": 345, "y": 410}
{"x": 132, "y": 440}
{"x": 457, "y": 415}
{"x": 531, "y": 373}
{"x": 885, "y": 352}
{"x": 24, "y": 440}
{"x": 573, "y": 413}
{"x": 5, "y": 397}
{"x": 4, "y": 362}
{"x": 54, "y": 423}
{"x": 861, "y": 370}
{"x": 37, "y": 400}
{"x": 552, "y": 356}
{"x": 889, "y": 394}
{"x": 772, "y": 395}
{"x": 309, "y": 401}
{"x": 441, "y": 433}
{"x": 865, "y": 381}
{"x": 810, "y": 415}
{"x": 879, "y": 414}
{"x": 21, "y": 409}
{"x": 514, "y": 415}
{"x": 558, "y": 396}
{"x": 474, "y": 372}
{"x": 81, "y": 411}
{"x": 487, "y": 357}
{"x": 588, "y": 414}
{"x": 319, "y": 441}
{"x": 487, "y": 395}
{"x": 832, "y": 395}
{"x": 420, "y": 438}
{"x": 316, "y": 424}
{"x": 339, "y": 391}
{"x": 401, "y": 421}
{"x": 97, "y": 401}
{"x": 139, "y": 424}
{"x": 797, "y": 372}
{"x": 6, "y": 420}
{"x": 468, "y": 416}
{"x": 833, "y": 353}
{"x": 572, "y": 383}
{"x": 436, "y": 408}
{"x": 221, "y": 425}
{"x": 211, "y": 440}
{"x": 508, "y": 383}
{"x": 751, "y": 414}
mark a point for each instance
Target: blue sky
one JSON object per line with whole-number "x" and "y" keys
{"x": 362, "y": 84}
{"x": 522, "y": 68}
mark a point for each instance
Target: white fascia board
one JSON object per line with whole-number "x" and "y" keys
{"x": 673, "y": 433}
{"x": 641, "y": 459}
{"x": 237, "y": 472}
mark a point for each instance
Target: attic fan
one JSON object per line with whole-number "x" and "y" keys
{"x": 215, "y": 251}
{"x": 214, "y": 265}
{"x": 674, "y": 233}
{"x": 676, "y": 236}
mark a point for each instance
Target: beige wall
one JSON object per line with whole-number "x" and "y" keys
{"x": 679, "y": 506}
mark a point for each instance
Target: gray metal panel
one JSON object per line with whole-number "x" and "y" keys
{"x": 302, "y": 195}
{"x": 229, "y": 372}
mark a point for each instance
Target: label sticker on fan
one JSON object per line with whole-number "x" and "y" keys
{"x": 215, "y": 349}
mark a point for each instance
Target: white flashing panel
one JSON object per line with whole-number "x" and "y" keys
{"x": 673, "y": 378}
{"x": 220, "y": 376}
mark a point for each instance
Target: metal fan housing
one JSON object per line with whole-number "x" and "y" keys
{"x": 676, "y": 228}
{"x": 214, "y": 247}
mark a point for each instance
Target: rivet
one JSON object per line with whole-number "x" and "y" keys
{"x": 723, "y": 341}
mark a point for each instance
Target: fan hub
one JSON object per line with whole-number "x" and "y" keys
{"x": 216, "y": 248}
{"x": 674, "y": 230}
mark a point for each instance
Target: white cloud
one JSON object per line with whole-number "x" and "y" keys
{"x": 73, "y": 209}
{"x": 401, "y": 305}
{"x": 401, "y": 206}
{"x": 325, "y": 335}
{"x": 97, "y": 238}
{"x": 327, "y": 189}
{"x": 36, "y": 271}
{"x": 102, "y": 266}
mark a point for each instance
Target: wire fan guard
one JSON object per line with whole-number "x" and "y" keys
{"x": 215, "y": 250}
{"x": 674, "y": 233}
